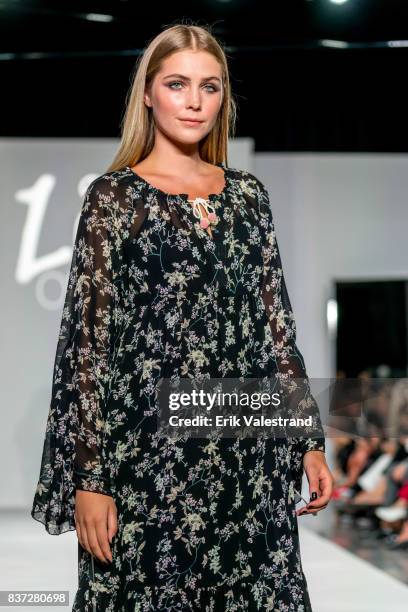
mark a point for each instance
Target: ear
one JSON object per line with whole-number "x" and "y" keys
{"x": 147, "y": 99}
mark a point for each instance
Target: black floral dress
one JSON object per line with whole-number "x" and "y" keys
{"x": 203, "y": 524}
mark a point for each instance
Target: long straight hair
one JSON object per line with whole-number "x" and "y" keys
{"x": 137, "y": 126}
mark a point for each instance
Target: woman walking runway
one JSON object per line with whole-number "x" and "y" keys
{"x": 177, "y": 278}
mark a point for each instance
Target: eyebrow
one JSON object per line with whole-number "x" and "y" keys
{"x": 182, "y": 76}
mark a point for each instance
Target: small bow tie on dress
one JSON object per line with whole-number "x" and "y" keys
{"x": 212, "y": 217}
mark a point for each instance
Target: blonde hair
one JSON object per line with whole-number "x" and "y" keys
{"x": 137, "y": 126}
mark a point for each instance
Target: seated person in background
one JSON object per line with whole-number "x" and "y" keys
{"x": 357, "y": 457}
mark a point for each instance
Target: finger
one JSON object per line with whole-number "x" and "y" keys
{"x": 112, "y": 522}
{"x": 314, "y": 512}
{"x": 321, "y": 501}
{"x": 313, "y": 480}
{"x": 78, "y": 530}
{"x": 318, "y": 503}
{"x": 93, "y": 542}
{"x": 84, "y": 536}
{"x": 326, "y": 488}
{"x": 311, "y": 511}
{"x": 101, "y": 530}
{"x": 326, "y": 483}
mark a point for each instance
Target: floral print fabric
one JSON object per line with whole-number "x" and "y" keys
{"x": 203, "y": 524}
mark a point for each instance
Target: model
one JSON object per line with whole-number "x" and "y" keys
{"x": 176, "y": 273}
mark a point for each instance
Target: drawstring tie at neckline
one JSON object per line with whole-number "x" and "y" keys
{"x": 211, "y": 219}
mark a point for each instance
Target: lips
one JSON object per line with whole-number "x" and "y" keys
{"x": 192, "y": 120}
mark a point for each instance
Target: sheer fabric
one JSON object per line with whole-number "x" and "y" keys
{"x": 92, "y": 315}
{"x": 290, "y": 364}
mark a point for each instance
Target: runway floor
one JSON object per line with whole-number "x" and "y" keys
{"x": 339, "y": 580}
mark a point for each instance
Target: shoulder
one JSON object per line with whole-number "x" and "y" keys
{"x": 248, "y": 183}
{"x": 109, "y": 200}
{"x": 110, "y": 191}
{"x": 109, "y": 185}
{"x": 257, "y": 197}
{"x": 254, "y": 191}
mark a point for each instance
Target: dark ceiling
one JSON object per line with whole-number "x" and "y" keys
{"x": 308, "y": 75}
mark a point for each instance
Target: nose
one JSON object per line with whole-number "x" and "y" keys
{"x": 194, "y": 99}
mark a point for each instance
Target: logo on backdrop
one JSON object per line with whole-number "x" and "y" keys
{"x": 47, "y": 269}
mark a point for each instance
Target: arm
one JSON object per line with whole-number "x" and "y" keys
{"x": 288, "y": 358}
{"x": 73, "y": 447}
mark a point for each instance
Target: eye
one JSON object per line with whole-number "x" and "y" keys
{"x": 174, "y": 83}
{"x": 212, "y": 90}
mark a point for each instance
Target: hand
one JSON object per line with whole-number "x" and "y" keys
{"x": 95, "y": 522}
{"x": 320, "y": 480}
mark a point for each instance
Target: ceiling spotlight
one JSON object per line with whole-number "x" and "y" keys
{"x": 98, "y": 17}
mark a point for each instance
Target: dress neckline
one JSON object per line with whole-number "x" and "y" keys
{"x": 184, "y": 196}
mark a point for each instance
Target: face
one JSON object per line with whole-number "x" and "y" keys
{"x": 188, "y": 86}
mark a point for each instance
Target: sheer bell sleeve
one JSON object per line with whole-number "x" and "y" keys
{"x": 73, "y": 447}
{"x": 290, "y": 364}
